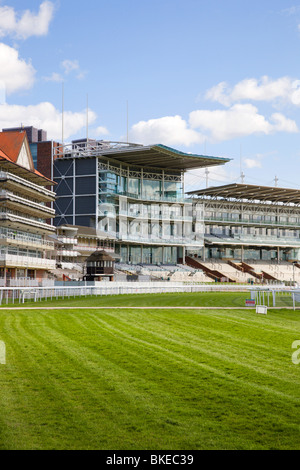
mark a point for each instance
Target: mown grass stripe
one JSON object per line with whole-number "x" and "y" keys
{"x": 149, "y": 379}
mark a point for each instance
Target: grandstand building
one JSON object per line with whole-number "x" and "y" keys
{"x": 134, "y": 194}
{"x": 253, "y": 229}
{"x": 25, "y": 250}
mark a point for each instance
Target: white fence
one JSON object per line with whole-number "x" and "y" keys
{"x": 20, "y": 294}
{"x": 276, "y": 297}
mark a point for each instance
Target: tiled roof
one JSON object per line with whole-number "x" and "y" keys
{"x": 10, "y": 147}
{"x": 11, "y": 143}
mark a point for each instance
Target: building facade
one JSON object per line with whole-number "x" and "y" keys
{"x": 249, "y": 222}
{"x": 43, "y": 150}
{"x": 133, "y": 194}
{"x": 25, "y": 249}
{"x": 74, "y": 244}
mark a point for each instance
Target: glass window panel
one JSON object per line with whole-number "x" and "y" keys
{"x": 172, "y": 189}
{"x": 134, "y": 186}
{"x": 152, "y": 189}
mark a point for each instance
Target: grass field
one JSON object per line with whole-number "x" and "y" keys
{"x": 149, "y": 379}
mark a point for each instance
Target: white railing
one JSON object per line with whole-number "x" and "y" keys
{"x": 167, "y": 216}
{"x": 94, "y": 248}
{"x": 27, "y": 202}
{"x": 8, "y": 215}
{"x": 69, "y": 253}
{"x": 71, "y": 266}
{"x": 67, "y": 241}
{"x": 164, "y": 239}
{"x": 29, "y": 184}
{"x": 26, "y": 282}
{"x": 27, "y": 261}
{"x": 26, "y": 239}
{"x": 37, "y": 294}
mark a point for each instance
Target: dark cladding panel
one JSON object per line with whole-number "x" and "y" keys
{"x": 63, "y": 205}
{"x": 64, "y": 187}
{"x": 86, "y": 221}
{"x": 85, "y": 205}
{"x": 63, "y": 167}
{"x": 86, "y": 185}
{"x": 63, "y": 220}
{"x": 85, "y": 166}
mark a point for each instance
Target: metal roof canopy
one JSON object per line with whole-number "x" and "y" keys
{"x": 251, "y": 193}
{"x": 160, "y": 156}
{"x": 155, "y": 156}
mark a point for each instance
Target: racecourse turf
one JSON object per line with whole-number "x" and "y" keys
{"x": 98, "y": 378}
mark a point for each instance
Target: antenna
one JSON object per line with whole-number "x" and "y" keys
{"x": 241, "y": 172}
{"x": 127, "y": 120}
{"x": 276, "y": 181}
{"x": 62, "y": 114}
{"x": 242, "y": 177}
{"x": 87, "y": 118}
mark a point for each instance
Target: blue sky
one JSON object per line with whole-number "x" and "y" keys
{"x": 220, "y": 78}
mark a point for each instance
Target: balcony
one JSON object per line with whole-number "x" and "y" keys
{"x": 258, "y": 223}
{"x": 26, "y": 186}
{"x": 15, "y": 201}
{"x": 145, "y": 215}
{"x": 16, "y": 261}
{"x": 150, "y": 197}
{"x": 68, "y": 253}
{"x": 6, "y": 215}
{"x": 254, "y": 240}
{"x": 26, "y": 241}
{"x": 163, "y": 240}
{"x": 91, "y": 249}
{"x": 67, "y": 241}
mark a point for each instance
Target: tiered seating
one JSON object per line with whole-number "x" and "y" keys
{"x": 229, "y": 271}
{"x": 282, "y": 271}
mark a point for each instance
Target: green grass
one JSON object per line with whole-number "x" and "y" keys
{"x": 149, "y": 379}
{"x": 194, "y": 299}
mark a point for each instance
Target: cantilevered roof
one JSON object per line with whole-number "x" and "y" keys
{"x": 155, "y": 156}
{"x": 251, "y": 192}
{"x": 160, "y": 156}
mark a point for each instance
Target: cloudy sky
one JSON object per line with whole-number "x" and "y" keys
{"x": 219, "y": 78}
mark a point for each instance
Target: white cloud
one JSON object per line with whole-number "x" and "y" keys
{"x": 45, "y": 116}
{"x": 238, "y": 121}
{"x": 15, "y": 73}
{"x": 168, "y": 130}
{"x": 70, "y": 65}
{"x": 55, "y": 77}
{"x": 218, "y": 94}
{"x": 27, "y": 24}
{"x": 252, "y": 163}
{"x": 285, "y": 89}
{"x": 101, "y": 131}
{"x": 283, "y": 124}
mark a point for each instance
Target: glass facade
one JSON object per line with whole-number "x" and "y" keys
{"x": 152, "y": 189}
{"x": 258, "y": 232}
{"x": 148, "y": 214}
{"x": 148, "y": 254}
